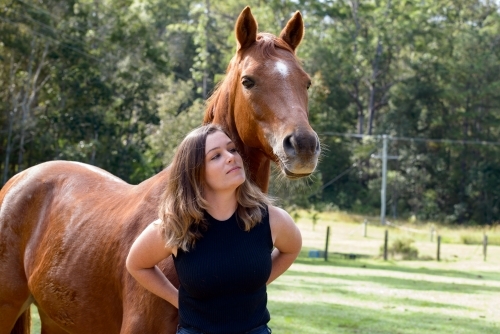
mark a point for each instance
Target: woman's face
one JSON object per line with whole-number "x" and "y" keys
{"x": 223, "y": 164}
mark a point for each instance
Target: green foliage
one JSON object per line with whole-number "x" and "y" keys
{"x": 478, "y": 239}
{"x": 401, "y": 248}
{"x": 117, "y": 83}
{"x": 175, "y": 122}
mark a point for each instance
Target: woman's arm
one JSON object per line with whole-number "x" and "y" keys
{"x": 146, "y": 251}
{"x": 287, "y": 241}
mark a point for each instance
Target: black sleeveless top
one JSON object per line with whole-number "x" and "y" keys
{"x": 223, "y": 278}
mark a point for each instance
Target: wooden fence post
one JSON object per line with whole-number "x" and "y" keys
{"x": 485, "y": 245}
{"x": 386, "y": 238}
{"x": 439, "y": 248}
{"x": 365, "y": 223}
{"x": 327, "y": 239}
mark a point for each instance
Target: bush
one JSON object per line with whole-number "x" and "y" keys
{"x": 477, "y": 239}
{"x": 402, "y": 249}
{"x": 468, "y": 239}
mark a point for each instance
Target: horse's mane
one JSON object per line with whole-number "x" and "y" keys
{"x": 267, "y": 45}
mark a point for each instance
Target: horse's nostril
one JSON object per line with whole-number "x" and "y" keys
{"x": 301, "y": 144}
{"x": 289, "y": 145}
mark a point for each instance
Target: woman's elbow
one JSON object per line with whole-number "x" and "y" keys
{"x": 129, "y": 264}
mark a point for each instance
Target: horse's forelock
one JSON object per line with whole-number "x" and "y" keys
{"x": 268, "y": 44}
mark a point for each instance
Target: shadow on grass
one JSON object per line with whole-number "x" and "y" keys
{"x": 401, "y": 283}
{"x": 316, "y": 318}
{"x": 389, "y": 300}
{"x": 393, "y": 266}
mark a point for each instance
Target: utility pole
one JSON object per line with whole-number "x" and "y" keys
{"x": 383, "y": 189}
{"x": 384, "y": 180}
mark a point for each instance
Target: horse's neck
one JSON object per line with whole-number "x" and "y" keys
{"x": 259, "y": 168}
{"x": 258, "y": 163}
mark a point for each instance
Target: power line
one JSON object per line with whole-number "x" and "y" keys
{"x": 414, "y": 139}
{"x": 447, "y": 141}
{"x": 113, "y": 57}
{"x": 55, "y": 40}
{"x": 345, "y": 172}
{"x": 54, "y": 30}
{"x": 41, "y": 10}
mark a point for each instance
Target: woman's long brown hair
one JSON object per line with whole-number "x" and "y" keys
{"x": 182, "y": 208}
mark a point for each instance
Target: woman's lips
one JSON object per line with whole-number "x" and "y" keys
{"x": 233, "y": 169}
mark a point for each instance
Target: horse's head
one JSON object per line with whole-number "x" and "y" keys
{"x": 266, "y": 93}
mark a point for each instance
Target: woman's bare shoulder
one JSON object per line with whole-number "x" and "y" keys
{"x": 277, "y": 214}
{"x": 153, "y": 239}
{"x": 285, "y": 233}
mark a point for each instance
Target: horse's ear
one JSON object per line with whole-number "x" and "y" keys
{"x": 208, "y": 117}
{"x": 294, "y": 31}
{"x": 245, "y": 29}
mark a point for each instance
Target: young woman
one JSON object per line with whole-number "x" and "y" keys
{"x": 227, "y": 239}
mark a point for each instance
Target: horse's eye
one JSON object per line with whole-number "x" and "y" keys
{"x": 247, "y": 82}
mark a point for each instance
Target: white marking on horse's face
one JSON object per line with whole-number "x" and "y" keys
{"x": 281, "y": 68}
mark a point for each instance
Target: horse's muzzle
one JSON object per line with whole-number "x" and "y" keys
{"x": 301, "y": 152}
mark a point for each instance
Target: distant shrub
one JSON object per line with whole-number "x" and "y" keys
{"x": 477, "y": 239}
{"x": 471, "y": 239}
{"x": 315, "y": 218}
{"x": 402, "y": 249}
{"x": 494, "y": 240}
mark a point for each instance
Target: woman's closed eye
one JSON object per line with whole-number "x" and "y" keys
{"x": 232, "y": 150}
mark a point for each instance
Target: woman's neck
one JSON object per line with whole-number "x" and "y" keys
{"x": 221, "y": 205}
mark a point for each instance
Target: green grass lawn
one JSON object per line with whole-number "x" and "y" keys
{"x": 459, "y": 294}
{"x": 365, "y": 296}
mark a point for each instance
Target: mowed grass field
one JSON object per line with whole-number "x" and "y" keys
{"x": 458, "y": 294}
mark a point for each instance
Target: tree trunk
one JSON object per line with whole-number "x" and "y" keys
{"x": 30, "y": 90}
{"x": 15, "y": 103}
{"x": 354, "y": 4}
{"x": 205, "y": 67}
{"x": 372, "y": 86}
{"x": 94, "y": 144}
{"x": 8, "y": 148}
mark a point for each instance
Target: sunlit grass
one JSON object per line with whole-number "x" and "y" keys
{"x": 368, "y": 295}
{"x": 35, "y": 320}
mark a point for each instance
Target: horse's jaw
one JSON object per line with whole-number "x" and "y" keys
{"x": 295, "y": 174}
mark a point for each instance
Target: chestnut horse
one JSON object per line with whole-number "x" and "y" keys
{"x": 66, "y": 227}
